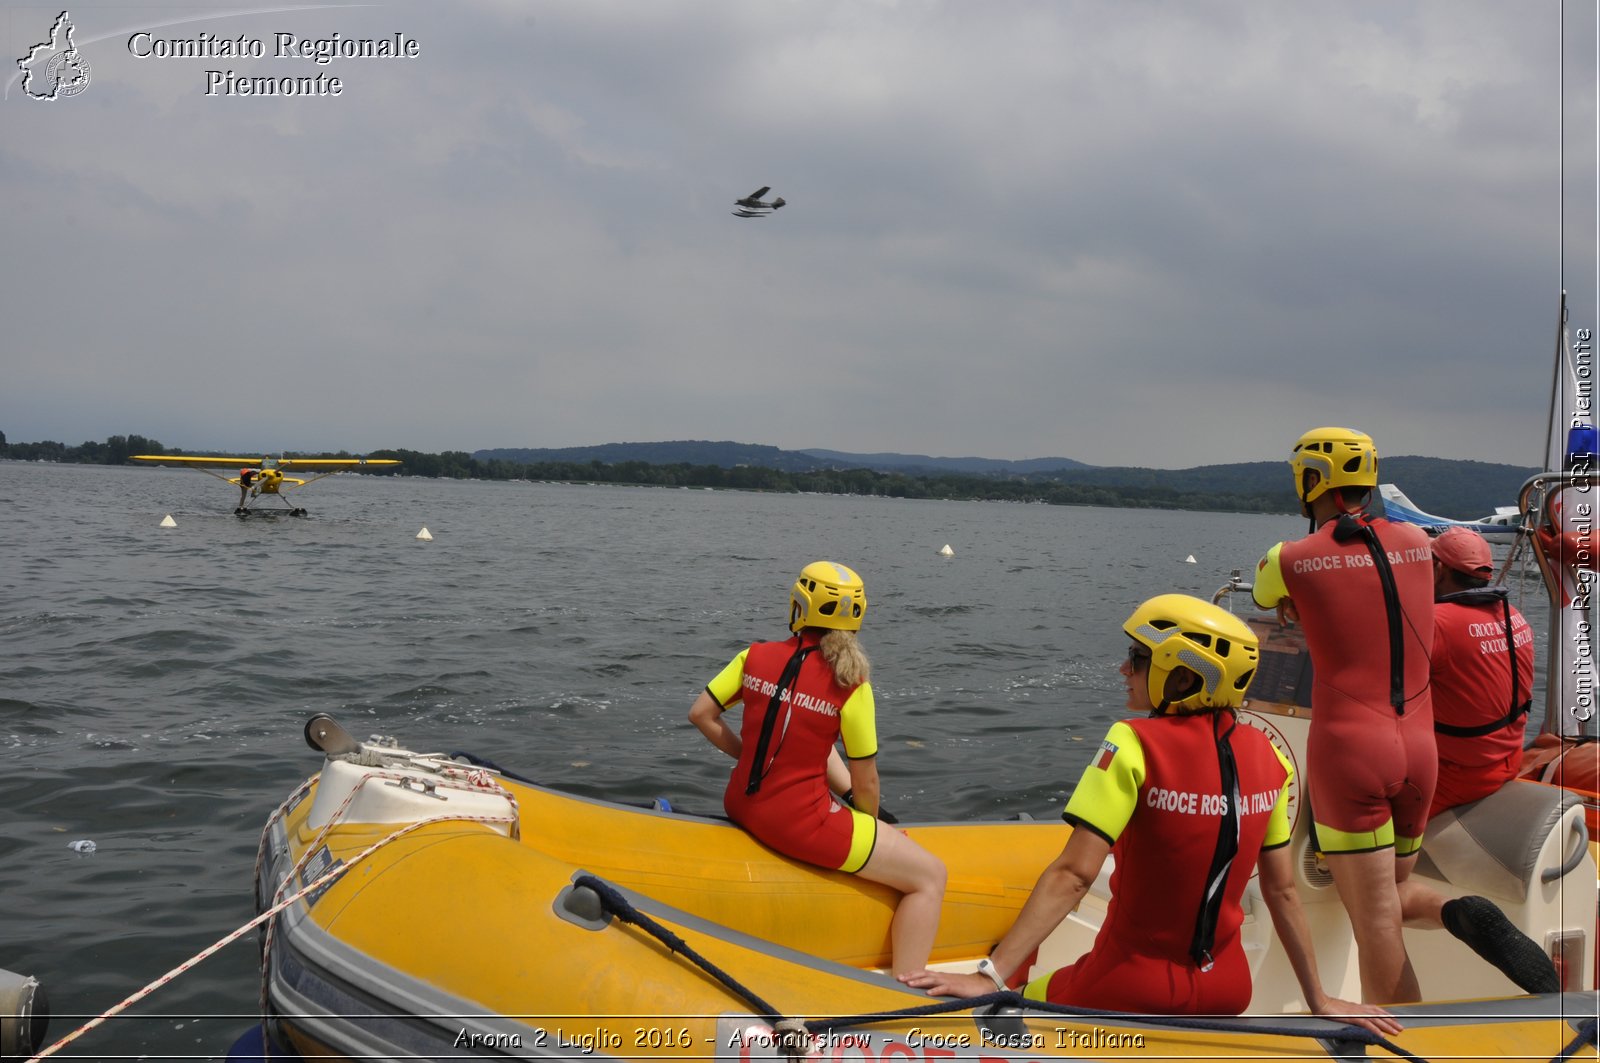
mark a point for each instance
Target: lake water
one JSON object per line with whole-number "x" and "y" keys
{"x": 156, "y": 680}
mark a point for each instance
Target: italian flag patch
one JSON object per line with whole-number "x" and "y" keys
{"x": 1108, "y": 752}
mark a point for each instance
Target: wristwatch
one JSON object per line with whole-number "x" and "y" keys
{"x": 986, "y": 967}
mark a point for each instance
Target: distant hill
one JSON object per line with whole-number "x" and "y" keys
{"x": 723, "y": 455}
{"x": 924, "y": 463}
{"x": 1450, "y": 488}
{"x": 729, "y": 455}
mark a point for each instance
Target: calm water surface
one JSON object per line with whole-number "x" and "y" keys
{"x": 156, "y": 681}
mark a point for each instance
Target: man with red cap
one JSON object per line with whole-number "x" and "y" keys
{"x": 1482, "y": 671}
{"x": 1482, "y": 682}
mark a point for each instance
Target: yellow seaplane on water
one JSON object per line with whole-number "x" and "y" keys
{"x": 266, "y": 477}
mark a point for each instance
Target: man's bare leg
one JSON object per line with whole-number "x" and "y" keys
{"x": 1368, "y": 888}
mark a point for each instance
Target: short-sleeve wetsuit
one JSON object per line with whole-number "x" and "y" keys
{"x": 1472, "y": 689}
{"x": 1370, "y": 764}
{"x": 793, "y": 810}
{"x": 1154, "y": 791}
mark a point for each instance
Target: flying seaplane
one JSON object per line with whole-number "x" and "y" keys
{"x": 259, "y": 479}
{"x": 753, "y": 206}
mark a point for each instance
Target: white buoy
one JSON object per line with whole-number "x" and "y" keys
{"x": 946, "y": 551}
{"x": 168, "y": 522}
{"x": 425, "y": 535}
{"x": 1189, "y": 560}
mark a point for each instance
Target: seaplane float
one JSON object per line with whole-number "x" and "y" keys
{"x": 434, "y": 906}
{"x": 265, "y": 478}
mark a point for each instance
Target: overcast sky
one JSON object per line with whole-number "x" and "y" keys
{"x": 1125, "y": 232}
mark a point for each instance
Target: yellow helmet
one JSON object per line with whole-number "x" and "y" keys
{"x": 1341, "y": 457}
{"x": 1186, "y": 632}
{"x": 827, "y": 595}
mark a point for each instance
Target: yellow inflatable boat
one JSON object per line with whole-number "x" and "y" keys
{"x": 431, "y": 908}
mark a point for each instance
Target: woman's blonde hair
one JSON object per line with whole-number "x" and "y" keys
{"x": 843, "y": 652}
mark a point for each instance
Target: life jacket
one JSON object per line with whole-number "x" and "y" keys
{"x": 1483, "y": 678}
{"x": 799, "y": 728}
{"x": 1163, "y": 854}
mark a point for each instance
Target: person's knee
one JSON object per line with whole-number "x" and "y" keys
{"x": 928, "y": 872}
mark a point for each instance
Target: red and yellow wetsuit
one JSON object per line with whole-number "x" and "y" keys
{"x": 1370, "y": 765}
{"x": 1154, "y": 792}
{"x": 1472, "y": 688}
{"x": 793, "y": 811}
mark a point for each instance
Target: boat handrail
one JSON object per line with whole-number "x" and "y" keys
{"x": 1236, "y": 583}
{"x": 1540, "y": 482}
{"x": 1580, "y": 831}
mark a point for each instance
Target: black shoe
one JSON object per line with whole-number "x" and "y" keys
{"x": 1484, "y": 927}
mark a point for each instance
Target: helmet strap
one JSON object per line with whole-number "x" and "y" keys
{"x": 1165, "y": 702}
{"x": 1305, "y": 490}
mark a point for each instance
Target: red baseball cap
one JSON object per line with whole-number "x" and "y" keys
{"x": 1465, "y": 551}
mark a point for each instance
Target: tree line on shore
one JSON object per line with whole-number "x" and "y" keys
{"x": 1047, "y": 488}
{"x": 1450, "y": 487}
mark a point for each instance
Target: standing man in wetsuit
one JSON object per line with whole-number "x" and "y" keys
{"x": 1482, "y": 690}
{"x": 1362, "y": 587}
{"x": 1482, "y": 676}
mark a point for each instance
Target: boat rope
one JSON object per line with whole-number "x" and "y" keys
{"x": 1586, "y": 1036}
{"x": 473, "y": 779}
{"x": 794, "y": 1036}
{"x": 615, "y": 903}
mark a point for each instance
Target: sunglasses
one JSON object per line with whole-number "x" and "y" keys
{"x": 1138, "y": 656}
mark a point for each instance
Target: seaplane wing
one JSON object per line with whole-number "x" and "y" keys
{"x": 258, "y": 477}
{"x": 286, "y": 463}
{"x": 1504, "y": 522}
{"x": 265, "y": 463}
{"x": 193, "y": 460}
{"x": 758, "y": 193}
